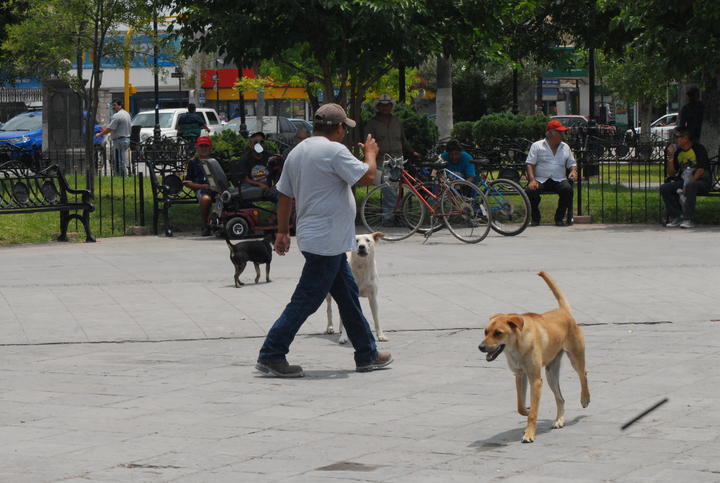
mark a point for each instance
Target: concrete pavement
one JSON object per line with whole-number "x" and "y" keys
{"x": 132, "y": 360}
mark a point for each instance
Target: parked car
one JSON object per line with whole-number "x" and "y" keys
{"x": 661, "y": 129}
{"x": 25, "y": 131}
{"x": 302, "y": 123}
{"x": 577, "y": 122}
{"x": 277, "y": 128}
{"x": 169, "y": 121}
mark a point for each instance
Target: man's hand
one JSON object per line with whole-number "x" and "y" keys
{"x": 370, "y": 145}
{"x": 533, "y": 185}
{"x": 573, "y": 175}
{"x": 282, "y": 243}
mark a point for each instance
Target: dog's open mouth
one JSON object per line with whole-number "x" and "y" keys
{"x": 491, "y": 356}
{"x": 362, "y": 252}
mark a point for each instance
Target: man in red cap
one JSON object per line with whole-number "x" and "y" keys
{"x": 548, "y": 163}
{"x": 195, "y": 179}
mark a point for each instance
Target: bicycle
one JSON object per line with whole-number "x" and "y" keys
{"x": 397, "y": 207}
{"x": 507, "y": 201}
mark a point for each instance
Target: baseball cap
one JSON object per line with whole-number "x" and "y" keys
{"x": 555, "y": 125}
{"x": 385, "y": 99}
{"x": 203, "y": 140}
{"x": 333, "y": 114}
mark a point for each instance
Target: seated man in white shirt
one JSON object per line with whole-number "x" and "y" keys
{"x": 548, "y": 163}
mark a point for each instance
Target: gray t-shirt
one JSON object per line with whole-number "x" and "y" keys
{"x": 318, "y": 173}
{"x": 120, "y": 125}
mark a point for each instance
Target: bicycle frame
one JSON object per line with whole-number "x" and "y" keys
{"x": 406, "y": 179}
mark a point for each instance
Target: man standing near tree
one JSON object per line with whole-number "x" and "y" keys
{"x": 191, "y": 124}
{"x": 119, "y": 130}
{"x": 390, "y": 136}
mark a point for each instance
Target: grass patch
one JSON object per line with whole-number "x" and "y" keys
{"x": 115, "y": 211}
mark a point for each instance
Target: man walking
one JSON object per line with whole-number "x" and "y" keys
{"x": 319, "y": 174}
{"x": 119, "y": 130}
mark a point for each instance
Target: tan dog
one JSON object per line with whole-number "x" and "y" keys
{"x": 533, "y": 341}
{"x": 362, "y": 264}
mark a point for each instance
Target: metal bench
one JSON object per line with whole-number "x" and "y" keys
{"x": 166, "y": 179}
{"x": 25, "y": 190}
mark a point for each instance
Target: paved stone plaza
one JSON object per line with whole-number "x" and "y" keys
{"x": 132, "y": 360}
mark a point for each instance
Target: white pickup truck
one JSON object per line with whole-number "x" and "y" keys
{"x": 169, "y": 120}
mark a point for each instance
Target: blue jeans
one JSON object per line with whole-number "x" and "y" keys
{"x": 119, "y": 148}
{"x": 320, "y": 275}
{"x": 674, "y": 209}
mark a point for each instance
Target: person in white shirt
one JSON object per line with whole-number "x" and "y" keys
{"x": 547, "y": 164}
{"x": 318, "y": 174}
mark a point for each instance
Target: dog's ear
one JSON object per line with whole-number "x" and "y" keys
{"x": 515, "y": 322}
{"x": 378, "y": 235}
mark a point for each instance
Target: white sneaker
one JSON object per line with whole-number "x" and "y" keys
{"x": 675, "y": 223}
{"x": 687, "y": 224}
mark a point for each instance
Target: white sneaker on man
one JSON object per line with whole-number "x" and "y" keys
{"x": 675, "y": 223}
{"x": 687, "y": 224}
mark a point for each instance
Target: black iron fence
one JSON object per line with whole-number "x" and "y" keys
{"x": 120, "y": 201}
{"x": 618, "y": 184}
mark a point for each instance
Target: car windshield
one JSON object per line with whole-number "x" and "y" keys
{"x": 147, "y": 119}
{"x": 250, "y": 123}
{"x": 23, "y": 123}
{"x": 571, "y": 121}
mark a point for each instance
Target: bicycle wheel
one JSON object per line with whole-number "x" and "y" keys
{"x": 464, "y": 209}
{"x": 392, "y": 210}
{"x": 509, "y": 206}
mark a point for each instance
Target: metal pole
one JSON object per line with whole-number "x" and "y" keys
{"x": 243, "y": 126}
{"x": 156, "y": 131}
{"x": 515, "y": 91}
{"x": 217, "y": 87}
{"x": 141, "y": 182}
{"x": 591, "y": 81}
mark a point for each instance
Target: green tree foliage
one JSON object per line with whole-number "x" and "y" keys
{"x": 10, "y": 14}
{"x": 344, "y": 45}
{"x": 680, "y": 39}
{"x": 56, "y": 33}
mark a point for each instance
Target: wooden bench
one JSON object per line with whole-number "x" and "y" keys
{"x": 166, "y": 179}
{"x": 25, "y": 190}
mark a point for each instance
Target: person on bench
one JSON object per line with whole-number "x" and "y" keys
{"x": 547, "y": 164}
{"x": 254, "y": 169}
{"x": 195, "y": 179}
{"x": 689, "y": 175}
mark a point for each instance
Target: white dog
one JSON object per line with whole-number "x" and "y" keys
{"x": 362, "y": 264}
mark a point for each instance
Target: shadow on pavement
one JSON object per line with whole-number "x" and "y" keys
{"x": 515, "y": 435}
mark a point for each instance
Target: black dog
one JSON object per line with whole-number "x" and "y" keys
{"x": 256, "y": 251}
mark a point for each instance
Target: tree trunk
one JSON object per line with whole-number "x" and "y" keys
{"x": 646, "y": 118}
{"x": 710, "y": 135}
{"x": 443, "y": 101}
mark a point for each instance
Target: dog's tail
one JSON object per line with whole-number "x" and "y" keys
{"x": 227, "y": 240}
{"x": 564, "y": 304}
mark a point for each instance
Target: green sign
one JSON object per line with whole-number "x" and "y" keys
{"x": 565, "y": 73}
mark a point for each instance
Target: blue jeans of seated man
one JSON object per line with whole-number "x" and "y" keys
{"x": 119, "y": 150}
{"x": 320, "y": 275}
{"x": 669, "y": 193}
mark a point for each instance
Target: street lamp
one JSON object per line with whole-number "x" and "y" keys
{"x": 217, "y": 84}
